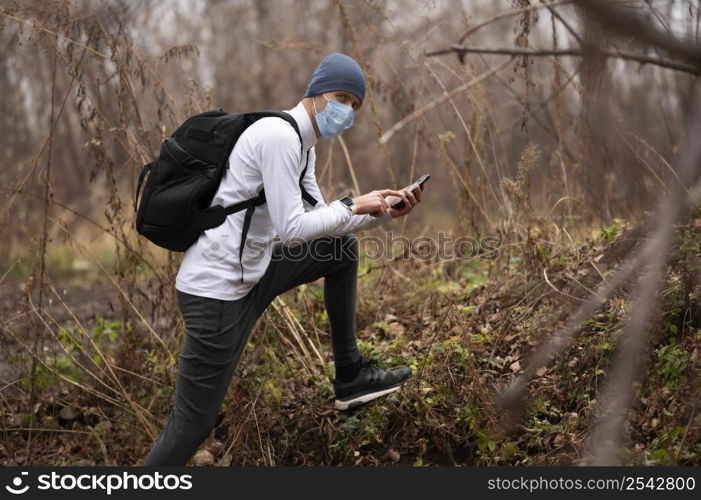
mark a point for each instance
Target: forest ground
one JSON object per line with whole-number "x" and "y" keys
{"x": 466, "y": 329}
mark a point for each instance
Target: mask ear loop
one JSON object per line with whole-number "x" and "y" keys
{"x": 314, "y": 102}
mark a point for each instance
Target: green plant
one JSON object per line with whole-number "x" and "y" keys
{"x": 671, "y": 361}
{"x": 612, "y": 231}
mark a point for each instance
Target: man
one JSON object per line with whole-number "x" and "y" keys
{"x": 222, "y": 290}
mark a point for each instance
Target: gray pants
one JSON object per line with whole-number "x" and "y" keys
{"x": 216, "y": 332}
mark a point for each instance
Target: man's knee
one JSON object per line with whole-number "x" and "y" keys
{"x": 338, "y": 249}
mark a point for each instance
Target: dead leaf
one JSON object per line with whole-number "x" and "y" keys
{"x": 215, "y": 447}
{"x": 559, "y": 440}
{"x": 396, "y": 329}
{"x": 203, "y": 458}
{"x": 68, "y": 413}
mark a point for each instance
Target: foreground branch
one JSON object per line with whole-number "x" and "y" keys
{"x": 627, "y": 22}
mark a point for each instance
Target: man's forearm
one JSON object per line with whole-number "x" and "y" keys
{"x": 361, "y": 222}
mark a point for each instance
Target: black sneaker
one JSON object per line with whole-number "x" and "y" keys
{"x": 371, "y": 383}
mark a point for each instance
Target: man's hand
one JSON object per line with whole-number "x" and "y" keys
{"x": 374, "y": 202}
{"x": 411, "y": 198}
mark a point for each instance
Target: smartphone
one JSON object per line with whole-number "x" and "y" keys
{"x": 399, "y": 205}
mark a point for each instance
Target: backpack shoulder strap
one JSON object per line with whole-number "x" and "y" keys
{"x": 305, "y": 194}
{"x": 250, "y": 205}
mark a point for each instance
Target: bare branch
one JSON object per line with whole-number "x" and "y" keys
{"x": 510, "y": 13}
{"x": 567, "y": 26}
{"x": 619, "y": 54}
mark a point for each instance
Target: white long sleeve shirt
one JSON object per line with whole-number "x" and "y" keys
{"x": 266, "y": 155}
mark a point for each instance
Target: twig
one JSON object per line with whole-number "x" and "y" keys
{"x": 253, "y": 405}
{"x": 688, "y": 425}
{"x": 27, "y": 429}
{"x": 603, "y": 278}
{"x": 545, "y": 275}
{"x": 2, "y": 278}
{"x": 440, "y": 100}
{"x": 662, "y": 159}
{"x": 580, "y": 283}
{"x": 468, "y": 135}
{"x": 559, "y": 17}
{"x": 302, "y": 357}
{"x": 346, "y": 154}
{"x": 260, "y": 441}
{"x": 454, "y": 169}
{"x": 296, "y": 328}
{"x": 510, "y": 13}
{"x": 57, "y": 35}
{"x": 542, "y": 105}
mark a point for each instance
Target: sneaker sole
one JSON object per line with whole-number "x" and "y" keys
{"x": 349, "y": 404}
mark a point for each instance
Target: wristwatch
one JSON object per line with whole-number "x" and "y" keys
{"x": 348, "y": 201}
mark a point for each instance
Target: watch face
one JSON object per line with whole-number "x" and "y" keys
{"x": 348, "y": 201}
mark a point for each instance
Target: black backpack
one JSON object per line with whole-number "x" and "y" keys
{"x": 174, "y": 208}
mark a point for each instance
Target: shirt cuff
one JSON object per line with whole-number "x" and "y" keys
{"x": 345, "y": 210}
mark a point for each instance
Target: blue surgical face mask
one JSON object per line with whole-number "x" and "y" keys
{"x": 335, "y": 119}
